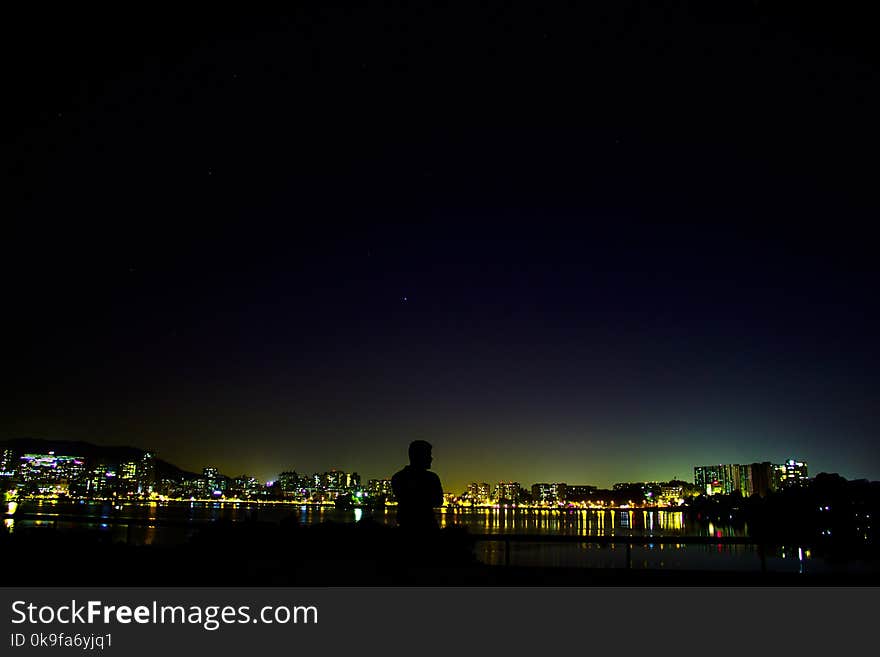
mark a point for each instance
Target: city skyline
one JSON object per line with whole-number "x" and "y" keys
{"x": 454, "y": 487}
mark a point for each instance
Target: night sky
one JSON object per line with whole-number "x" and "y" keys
{"x": 581, "y": 245}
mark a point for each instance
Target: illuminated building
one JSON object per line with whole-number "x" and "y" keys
{"x": 761, "y": 478}
{"x": 146, "y": 474}
{"x": 7, "y": 463}
{"x": 671, "y": 495}
{"x": 479, "y": 493}
{"x": 719, "y": 479}
{"x": 215, "y": 484}
{"x": 126, "y": 478}
{"x": 101, "y": 481}
{"x": 293, "y": 485}
{"x": 246, "y": 487}
{"x": 379, "y": 488}
{"x": 746, "y": 486}
{"x": 330, "y": 485}
{"x": 211, "y": 476}
{"x": 730, "y": 479}
{"x": 707, "y": 477}
{"x": 49, "y": 473}
{"x": 507, "y": 492}
{"x": 792, "y": 473}
{"x": 335, "y": 481}
{"x": 548, "y": 493}
{"x": 352, "y": 481}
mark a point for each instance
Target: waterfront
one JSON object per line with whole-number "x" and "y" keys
{"x": 176, "y": 523}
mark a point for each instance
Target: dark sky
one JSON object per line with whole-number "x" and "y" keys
{"x": 586, "y": 245}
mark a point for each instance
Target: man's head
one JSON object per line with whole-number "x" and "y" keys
{"x": 420, "y": 454}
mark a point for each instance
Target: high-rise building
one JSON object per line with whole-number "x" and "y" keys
{"x": 126, "y": 479}
{"x": 792, "y": 473}
{"x": 507, "y": 492}
{"x": 379, "y": 488}
{"x": 548, "y": 493}
{"x": 763, "y": 478}
{"x": 101, "y": 480}
{"x": 335, "y": 481}
{"x": 246, "y": 487}
{"x": 479, "y": 493}
{"x": 293, "y": 485}
{"x": 214, "y": 483}
{"x": 146, "y": 474}
{"x": 755, "y": 478}
{"x": 746, "y": 486}
{"x": 724, "y": 478}
{"x": 708, "y": 478}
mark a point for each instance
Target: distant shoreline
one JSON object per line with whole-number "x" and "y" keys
{"x": 331, "y": 504}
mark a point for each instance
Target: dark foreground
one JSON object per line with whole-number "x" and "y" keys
{"x": 269, "y": 554}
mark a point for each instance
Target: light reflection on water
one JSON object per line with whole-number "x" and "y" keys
{"x": 168, "y": 523}
{"x": 581, "y": 522}
{"x": 173, "y": 522}
{"x": 585, "y": 522}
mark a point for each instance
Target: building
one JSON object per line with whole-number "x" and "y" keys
{"x": 507, "y": 492}
{"x": 479, "y": 493}
{"x": 723, "y": 479}
{"x": 146, "y": 475}
{"x": 754, "y": 478}
{"x": 579, "y": 493}
{"x": 379, "y": 488}
{"x": 101, "y": 480}
{"x": 670, "y": 495}
{"x": 246, "y": 487}
{"x": 352, "y": 481}
{"x": 126, "y": 478}
{"x": 335, "y": 482}
{"x": 293, "y": 485}
{"x": 51, "y": 473}
{"x": 708, "y": 478}
{"x": 792, "y": 473}
{"x": 330, "y": 485}
{"x": 638, "y": 492}
{"x": 213, "y": 483}
{"x": 7, "y": 463}
{"x": 548, "y": 493}
{"x": 764, "y": 479}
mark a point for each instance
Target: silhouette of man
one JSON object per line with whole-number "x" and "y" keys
{"x": 417, "y": 489}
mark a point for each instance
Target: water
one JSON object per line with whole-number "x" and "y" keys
{"x": 581, "y": 522}
{"x": 170, "y": 523}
